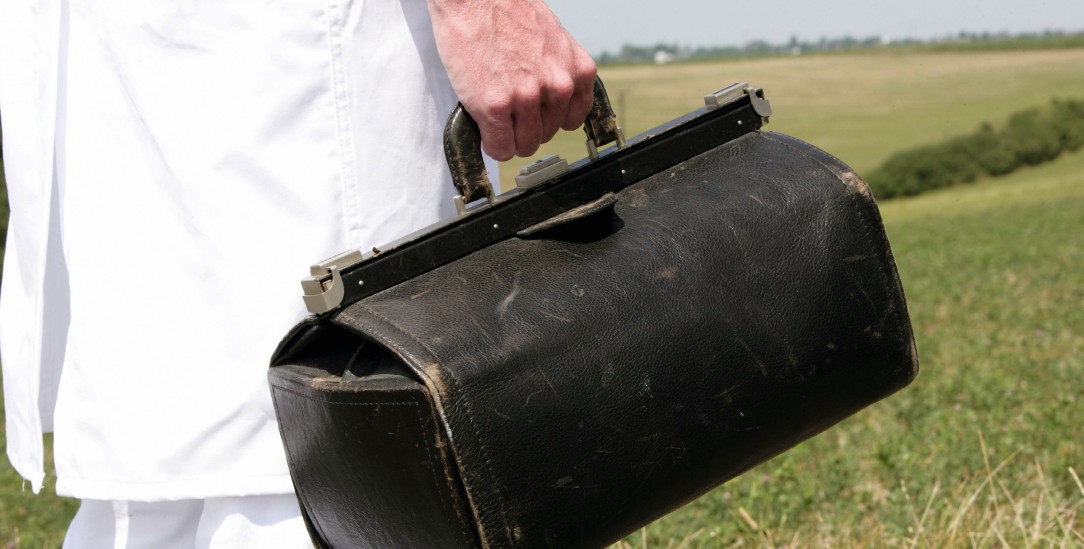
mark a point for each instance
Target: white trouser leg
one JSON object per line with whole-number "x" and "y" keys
{"x": 271, "y": 522}
{"x": 134, "y": 525}
{"x": 255, "y": 521}
{"x": 93, "y": 527}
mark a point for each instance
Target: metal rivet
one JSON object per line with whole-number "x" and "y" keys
{"x": 739, "y": 122}
{"x": 622, "y": 171}
{"x": 495, "y": 226}
{"x": 361, "y": 283}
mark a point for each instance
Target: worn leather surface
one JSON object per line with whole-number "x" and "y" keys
{"x": 596, "y": 375}
{"x": 462, "y": 146}
{"x": 375, "y": 470}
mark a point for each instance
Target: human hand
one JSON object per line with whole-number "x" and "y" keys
{"x": 517, "y": 71}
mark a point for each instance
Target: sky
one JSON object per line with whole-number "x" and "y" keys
{"x": 605, "y": 25}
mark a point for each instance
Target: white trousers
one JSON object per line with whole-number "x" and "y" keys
{"x": 220, "y": 523}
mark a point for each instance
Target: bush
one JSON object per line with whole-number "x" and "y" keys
{"x": 1032, "y": 138}
{"x": 988, "y": 153}
{"x": 1029, "y": 137}
{"x": 920, "y": 170}
{"x": 1068, "y": 118}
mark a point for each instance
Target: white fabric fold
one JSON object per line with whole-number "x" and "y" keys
{"x": 206, "y": 153}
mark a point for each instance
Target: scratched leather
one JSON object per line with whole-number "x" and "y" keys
{"x": 591, "y": 381}
{"x": 367, "y": 453}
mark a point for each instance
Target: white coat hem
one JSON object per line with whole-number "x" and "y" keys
{"x": 31, "y": 471}
{"x": 189, "y": 488}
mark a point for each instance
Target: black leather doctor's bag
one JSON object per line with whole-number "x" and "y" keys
{"x": 559, "y": 365}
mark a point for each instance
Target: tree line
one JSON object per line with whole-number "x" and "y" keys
{"x": 662, "y": 52}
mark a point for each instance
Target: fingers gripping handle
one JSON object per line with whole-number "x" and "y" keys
{"x": 463, "y": 146}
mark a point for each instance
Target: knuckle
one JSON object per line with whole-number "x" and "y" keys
{"x": 586, "y": 68}
{"x": 528, "y": 96}
{"x": 562, "y": 89}
{"x": 497, "y": 105}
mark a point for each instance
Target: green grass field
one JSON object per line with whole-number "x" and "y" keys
{"x": 985, "y": 448}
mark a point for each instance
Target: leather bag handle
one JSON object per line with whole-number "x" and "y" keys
{"x": 463, "y": 145}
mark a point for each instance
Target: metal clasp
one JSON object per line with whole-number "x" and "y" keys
{"x": 737, "y": 92}
{"x": 324, "y": 293}
{"x": 541, "y": 171}
{"x": 461, "y": 205}
{"x": 592, "y": 147}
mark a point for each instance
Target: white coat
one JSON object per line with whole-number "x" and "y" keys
{"x": 173, "y": 168}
